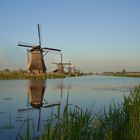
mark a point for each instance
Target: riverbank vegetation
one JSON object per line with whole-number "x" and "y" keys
{"x": 22, "y": 74}
{"x": 123, "y": 73}
{"x": 18, "y": 75}
{"x": 119, "y": 122}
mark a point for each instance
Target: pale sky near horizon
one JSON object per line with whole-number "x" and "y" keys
{"x": 95, "y": 35}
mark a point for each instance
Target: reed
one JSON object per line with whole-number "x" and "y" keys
{"x": 119, "y": 122}
{"x": 18, "y": 75}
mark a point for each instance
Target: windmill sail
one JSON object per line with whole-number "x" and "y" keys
{"x": 39, "y": 36}
{"x": 52, "y": 49}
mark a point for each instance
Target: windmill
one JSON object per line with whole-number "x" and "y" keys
{"x": 36, "y": 55}
{"x": 76, "y": 71}
{"x": 71, "y": 70}
{"x": 60, "y": 66}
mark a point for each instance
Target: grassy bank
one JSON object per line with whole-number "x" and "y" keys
{"x": 18, "y": 75}
{"x": 119, "y": 122}
{"x": 122, "y": 74}
{"x": 24, "y": 75}
{"x": 128, "y": 74}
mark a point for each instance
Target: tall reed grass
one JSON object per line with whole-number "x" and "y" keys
{"x": 119, "y": 122}
{"x": 22, "y": 75}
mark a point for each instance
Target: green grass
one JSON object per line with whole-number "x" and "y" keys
{"x": 19, "y": 75}
{"x": 119, "y": 122}
{"x": 120, "y": 74}
{"x": 24, "y": 75}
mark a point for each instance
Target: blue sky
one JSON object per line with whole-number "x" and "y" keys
{"x": 95, "y": 35}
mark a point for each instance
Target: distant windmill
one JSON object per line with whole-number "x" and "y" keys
{"x": 60, "y": 66}
{"x": 36, "y": 55}
{"x": 71, "y": 70}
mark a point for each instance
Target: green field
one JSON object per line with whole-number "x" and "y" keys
{"x": 123, "y": 74}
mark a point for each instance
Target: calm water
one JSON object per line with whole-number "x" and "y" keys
{"x": 23, "y": 101}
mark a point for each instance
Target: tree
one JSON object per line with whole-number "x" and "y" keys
{"x": 6, "y": 70}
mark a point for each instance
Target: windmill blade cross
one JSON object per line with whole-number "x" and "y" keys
{"x": 46, "y": 106}
{"x": 51, "y": 105}
{"x": 52, "y": 49}
{"x": 39, "y": 35}
{"x": 24, "y": 109}
{"x": 23, "y": 44}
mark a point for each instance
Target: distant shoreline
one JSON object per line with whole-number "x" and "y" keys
{"x": 123, "y": 74}
{"x": 23, "y": 75}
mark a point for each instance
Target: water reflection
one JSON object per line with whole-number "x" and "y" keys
{"x": 36, "y": 100}
{"x": 61, "y": 85}
{"x": 36, "y": 89}
{"x": 2, "y": 113}
{"x": 6, "y": 126}
{"x": 24, "y": 101}
{"x": 35, "y": 95}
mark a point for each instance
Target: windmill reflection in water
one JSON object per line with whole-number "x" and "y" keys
{"x": 36, "y": 100}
